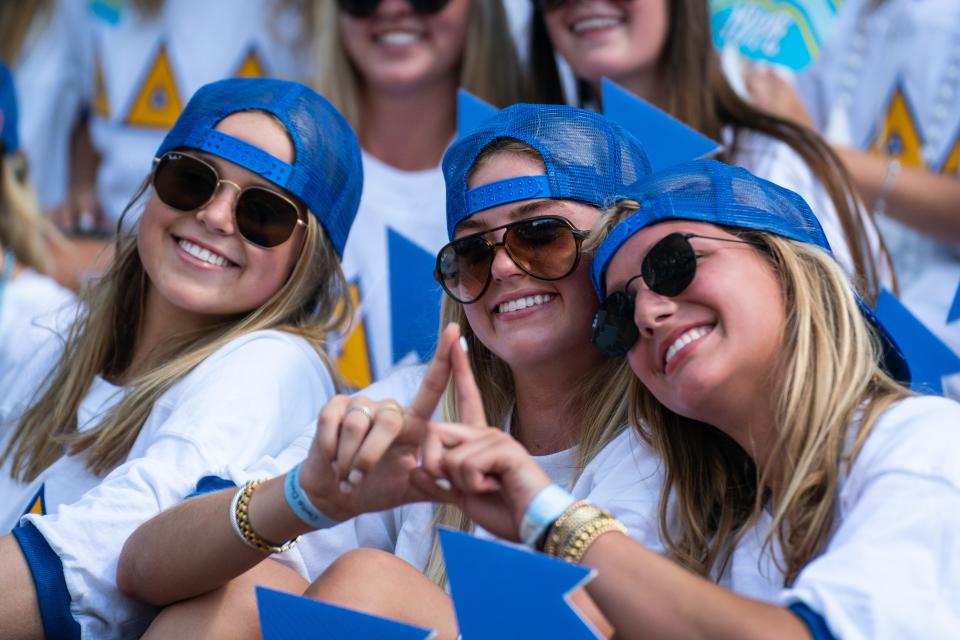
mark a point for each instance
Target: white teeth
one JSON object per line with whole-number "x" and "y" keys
{"x": 595, "y": 23}
{"x": 202, "y": 254}
{"x": 399, "y": 38}
{"x": 685, "y": 339}
{"x": 523, "y": 303}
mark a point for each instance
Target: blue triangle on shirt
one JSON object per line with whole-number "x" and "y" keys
{"x": 284, "y": 616}
{"x": 928, "y": 357}
{"x": 666, "y": 140}
{"x": 504, "y": 592}
{"x": 414, "y": 298}
{"x": 471, "y": 112}
{"x": 954, "y": 313}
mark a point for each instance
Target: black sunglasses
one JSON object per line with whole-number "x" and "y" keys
{"x": 264, "y": 217}
{"x": 668, "y": 269}
{"x": 366, "y": 8}
{"x": 545, "y": 247}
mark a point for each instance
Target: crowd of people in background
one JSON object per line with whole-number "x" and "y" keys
{"x": 272, "y": 310}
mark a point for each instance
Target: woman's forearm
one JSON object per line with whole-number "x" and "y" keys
{"x": 19, "y": 608}
{"x": 192, "y": 548}
{"x": 646, "y": 596}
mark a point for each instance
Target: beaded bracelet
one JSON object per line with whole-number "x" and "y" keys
{"x": 240, "y": 520}
{"x": 576, "y": 546}
{"x": 577, "y": 528}
{"x": 575, "y": 515}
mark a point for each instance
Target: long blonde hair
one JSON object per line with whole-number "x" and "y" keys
{"x": 490, "y": 68}
{"x": 17, "y": 20}
{"x": 831, "y": 391}
{"x": 599, "y": 404}
{"x": 22, "y": 227}
{"x": 312, "y": 303}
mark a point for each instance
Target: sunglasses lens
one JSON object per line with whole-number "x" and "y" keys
{"x": 614, "y": 330}
{"x": 463, "y": 268}
{"x": 366, "y": 8}
{"x": 264, "y": 217}
{"x": 545, "y": 248}
{"x": 670, "y": 265}
{"x": 183, "y": 182}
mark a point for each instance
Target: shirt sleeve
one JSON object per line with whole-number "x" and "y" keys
{"x": 249, "y": 400}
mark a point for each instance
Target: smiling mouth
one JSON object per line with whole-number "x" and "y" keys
{"x": 687, "y": 337}
{"x": 203, "y": 255}
{"x": 398, "y": 38}
{"x": 589, "y": 24}
{"x": 524, "y": 303}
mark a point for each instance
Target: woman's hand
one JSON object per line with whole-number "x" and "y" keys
{"x": 481, "y": 469}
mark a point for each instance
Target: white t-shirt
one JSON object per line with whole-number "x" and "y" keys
{"x": 777, "y": 162}
{"x": 625, "y": 477}
{"x": 892, "y": 566}
{"x": 249, "y": 399}
{"x": 31, "y": 302}
{"x": 389, "y": 261}
{"x": 888, "y": 81}
{"x": 144, "y": 69}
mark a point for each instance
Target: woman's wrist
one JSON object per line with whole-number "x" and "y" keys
{"x": 300, "y": 503}
{"x": 544, "y": 509}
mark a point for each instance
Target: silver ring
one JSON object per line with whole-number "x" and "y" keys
{"x": 365, "y": 410}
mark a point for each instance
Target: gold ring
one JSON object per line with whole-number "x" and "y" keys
{"x": 391, "y": 406}
{"x": 365, "y": 410}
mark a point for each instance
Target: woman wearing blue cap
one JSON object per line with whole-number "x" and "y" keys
{"x": 820, "y": 494}
{"x": 200, "y": 349}
{"x": 521, "y": 190}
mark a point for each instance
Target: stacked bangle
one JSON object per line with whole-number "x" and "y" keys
{"x": 577, "y": 528}
{"x": 240, "y": 520}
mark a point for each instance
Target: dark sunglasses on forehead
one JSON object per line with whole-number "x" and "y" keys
{"x": 668, "y": 269}
{"x": 264, "y": 217}
{"x": 545, "y": 247}
{"x": 366, "y": 8}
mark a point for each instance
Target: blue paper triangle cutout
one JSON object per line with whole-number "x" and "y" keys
{"x": 954, "y": 313}
{"x": 929, "y": 358}
{"x": 414, "y": 299}
{"x": 471, "y": 112}
{"x": 503, "y": 592}
{"x": 288, "y": 617}
{"x": 666, "y": 140}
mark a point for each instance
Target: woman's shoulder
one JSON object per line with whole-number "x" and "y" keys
{"x": 274, "y": 345}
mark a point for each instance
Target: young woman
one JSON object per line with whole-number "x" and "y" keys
{"x": 770, "y": 390}
{"x": 198, "y": 350}
{"x": 27, "y": 296}
{"x": 393, "y": 68}
{"x": 662, "y": 51}
{"x": 518, "y": 199}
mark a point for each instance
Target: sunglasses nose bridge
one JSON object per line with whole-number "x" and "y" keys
{"x": 218, "y": 214}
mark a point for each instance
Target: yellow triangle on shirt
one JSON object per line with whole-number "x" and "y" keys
{"x": 157, "y": 102}
{"x": 952, "y": 163}
{"x": 37, "y": 504}
{"x": 899, "y": 136}
{"x": 251, "y": 66}
{"x": 101, "y": 103}
{"x": 354, "y": 363}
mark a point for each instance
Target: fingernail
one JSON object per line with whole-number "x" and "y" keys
{"x": 463, "y": 344}
{"x": 345, "y": 487}
{"x": 355, "y": 477}
{"x": 443, "y": 483}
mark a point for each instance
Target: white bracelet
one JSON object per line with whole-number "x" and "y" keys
{"x": 889, "y": 182}
{"x": 545, "y": 507}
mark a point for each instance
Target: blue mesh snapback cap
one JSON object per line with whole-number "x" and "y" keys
{"x": 588, "y": 158}
{"x": 721, "y": 194}
{"x": 8, "y": 111}
{"x": 326, "y": 174}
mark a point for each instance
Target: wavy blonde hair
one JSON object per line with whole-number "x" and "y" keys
{"x": 599, "y": 404}
{"x": 312, "y": 303}
{"x": 490, "y": 68}
{"x": 22, "y": 227}
{"x": 832, "y": 391}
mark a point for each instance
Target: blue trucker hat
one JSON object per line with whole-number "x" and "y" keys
{"x": 8, "y": 111}
{"x": 588, "y": 158}
{"x": 326, "y": 174}
{"x": 721, "y": 194}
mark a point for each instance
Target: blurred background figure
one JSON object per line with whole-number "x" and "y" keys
{"x": 28, "y": 298}
{"x": 393, "y": 68}
{"x": 886, "y": 93}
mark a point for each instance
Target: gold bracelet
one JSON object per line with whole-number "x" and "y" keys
{"x": 240, "y": 520}
{"x": 570, "y": 520}
{"x": 576, "y": 546}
